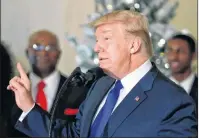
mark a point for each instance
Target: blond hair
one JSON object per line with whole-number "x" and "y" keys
{"x": 136, "y": 24}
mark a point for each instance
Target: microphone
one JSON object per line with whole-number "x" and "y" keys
{"x": 85, "y": 78}
{"x": 59, "y": 95}
{"x": 77, "y": 78}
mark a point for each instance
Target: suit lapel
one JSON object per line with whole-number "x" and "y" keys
{"x": 135, "y": 97}
{"x": 98, "y": 93}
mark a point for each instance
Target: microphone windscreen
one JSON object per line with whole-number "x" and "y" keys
{"x": 97, "y": 72}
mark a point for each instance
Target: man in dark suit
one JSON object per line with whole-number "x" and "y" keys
{"x": 180, "y": 52}
{"x": 43, "y": 53}
{"x": 134, "y": 100}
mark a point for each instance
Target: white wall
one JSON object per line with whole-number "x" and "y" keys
{"x": 20, "y": 17}
{"x": 186, "y": 16}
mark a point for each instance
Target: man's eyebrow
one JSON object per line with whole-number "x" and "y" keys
{"x": 106, "y": 31}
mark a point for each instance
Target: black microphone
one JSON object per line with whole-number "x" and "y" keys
{"x": 77, "y": 78}
{"x": 59, "y": 95}
{"x": 85, "y": 78}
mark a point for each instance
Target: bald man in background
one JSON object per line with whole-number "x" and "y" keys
{"x": 43, "y": 53}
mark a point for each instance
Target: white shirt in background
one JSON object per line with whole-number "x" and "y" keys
{"x": 50, "y": 90}
{"x": 186, "y": 84}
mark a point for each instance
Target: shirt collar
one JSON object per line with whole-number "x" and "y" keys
{"x": 186, "y": 83}
{"x": 50, "y": 78}
{"x": 190, "y": 77}
{"x": 130, "y": 80}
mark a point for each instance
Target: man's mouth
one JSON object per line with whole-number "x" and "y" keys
{"x": 175, "y": 64}
{"x": 100, "y": 59}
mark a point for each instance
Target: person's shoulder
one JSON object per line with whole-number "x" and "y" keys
{"x": 105, "y": 79}
{"x": 170, "y": 89}
{"x": 63, "y": 76}
{"x": 164, "y": 80}
{"x": 101, "y": 82}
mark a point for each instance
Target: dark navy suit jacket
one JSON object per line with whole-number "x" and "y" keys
{"x": 162, "y": 110}
{"x": 71, "y": 100}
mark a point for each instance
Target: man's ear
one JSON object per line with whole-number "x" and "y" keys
{"x": 136, "y": 45}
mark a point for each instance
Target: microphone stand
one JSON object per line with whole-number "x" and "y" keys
{"x": 64, "y": 87}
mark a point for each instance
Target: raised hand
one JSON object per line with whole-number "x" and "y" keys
{"x": 20, "y": 85}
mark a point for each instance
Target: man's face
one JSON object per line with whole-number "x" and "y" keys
{"x": 112, "y": 48}
{"x": 45, "y": 53}
{"x": 178, "y": 55}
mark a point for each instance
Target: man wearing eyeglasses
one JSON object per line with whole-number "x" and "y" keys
{"x": 43, "y": 53}
{"x": 180, "y": 52}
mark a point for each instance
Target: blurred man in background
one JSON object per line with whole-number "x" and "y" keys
{"x": 180, "y": 52}
{"x": 43, "y": 53}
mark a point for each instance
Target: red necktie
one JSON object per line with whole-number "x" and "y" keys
{"x": 41, "y": 98}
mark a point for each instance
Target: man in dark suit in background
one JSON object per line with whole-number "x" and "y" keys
{"x": 180, "y": 52}
{"x": 134, "y": 100}
{"x": 43, "y": 53}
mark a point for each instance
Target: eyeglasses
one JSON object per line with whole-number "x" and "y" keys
{"x": 47, "y": 48}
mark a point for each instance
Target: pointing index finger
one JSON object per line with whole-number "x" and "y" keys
{"x": 22, "y": 72}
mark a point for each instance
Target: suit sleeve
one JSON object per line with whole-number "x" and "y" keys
{"x": 180, "y": 120}
{"x": 36, "y": 123}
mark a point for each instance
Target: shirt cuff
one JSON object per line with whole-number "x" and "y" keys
{"x": 23, "y": 115}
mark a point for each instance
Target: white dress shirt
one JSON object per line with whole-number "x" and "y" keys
{"x": 50, "y": 90}
{"x": 187, "y": 83}
{"x": 128, "y": 82}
